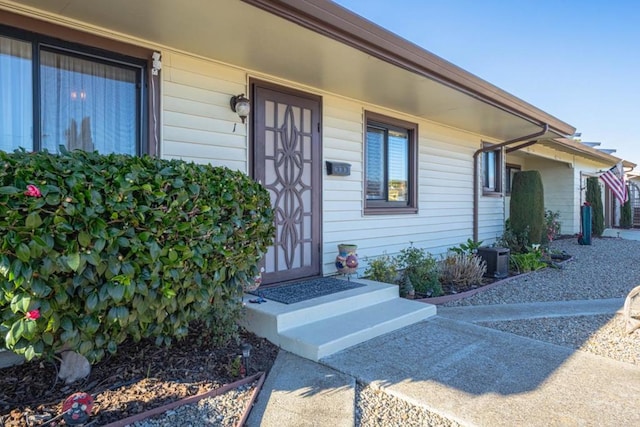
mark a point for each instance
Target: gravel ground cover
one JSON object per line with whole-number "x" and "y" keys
{"x": 608, "y": 268}
{"x": 602, "y": 335}
{"x": 224, "y": 410}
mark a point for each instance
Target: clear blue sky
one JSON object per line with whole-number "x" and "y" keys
{"x": 578, "y": 60}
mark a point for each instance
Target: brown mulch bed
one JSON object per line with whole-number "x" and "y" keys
{"x": 139, "y": 377}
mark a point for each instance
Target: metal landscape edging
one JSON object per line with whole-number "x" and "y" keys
{"x": 260, "y": 376}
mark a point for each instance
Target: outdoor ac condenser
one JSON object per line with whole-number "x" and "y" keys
{"x": 497, "y": 260}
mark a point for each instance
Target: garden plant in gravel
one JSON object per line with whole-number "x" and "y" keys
{"x": 95, "y": 249}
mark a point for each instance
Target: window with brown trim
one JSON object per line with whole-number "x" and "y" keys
{"x": 492, "y": 172}
{"x": 391, "y": 158}
{"x": 60, "y": 93}
{"x": 509, "y": 171}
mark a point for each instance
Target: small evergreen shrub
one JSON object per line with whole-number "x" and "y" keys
{"x": 594, "y": 198}
{"x": 626, "y": 219}
{"x": 526, "y": 208}
{"x": 95, "y": 249}
{"x": 419, "y": 271}
{"x": 382, "y": 269}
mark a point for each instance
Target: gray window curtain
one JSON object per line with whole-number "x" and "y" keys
{"x": 87, "y": 105}
{"x": 16, "y": 96}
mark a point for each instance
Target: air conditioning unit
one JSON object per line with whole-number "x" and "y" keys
{"x": 497, "y": 260}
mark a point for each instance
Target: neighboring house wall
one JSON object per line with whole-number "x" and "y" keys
{"x": 560, "y": 191}
{"x": 564, "y": 180}
{"x": 199, "y": 126}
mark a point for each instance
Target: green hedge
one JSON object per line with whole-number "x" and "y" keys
{"x": 626, "y": 217}
{"x": 594, "y": 197}
{"x": 95, "y": 249}
{"x": 526, "y": 208}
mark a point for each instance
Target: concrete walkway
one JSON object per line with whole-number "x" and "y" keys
{"x": 629, "y": 234}
{"x": 467, "y": 373}
{"x": 533, "y": 310}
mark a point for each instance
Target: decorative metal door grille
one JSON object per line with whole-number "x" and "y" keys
{"x": 287, "y": 157}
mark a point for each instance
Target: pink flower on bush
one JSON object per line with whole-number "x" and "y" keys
{"x": 33, "y": 191}
{"x": 32, "y": 315}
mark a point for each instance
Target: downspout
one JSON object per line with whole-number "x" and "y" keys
{"x": 476, "y": 192}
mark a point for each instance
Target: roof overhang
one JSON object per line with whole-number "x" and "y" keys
{"x": 577, "y": 148}
{"x": 315, "y": 43}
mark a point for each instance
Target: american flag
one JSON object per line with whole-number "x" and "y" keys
{"x": 614, "y": 179}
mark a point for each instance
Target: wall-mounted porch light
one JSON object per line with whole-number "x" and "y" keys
{"x": 240, "y": 105}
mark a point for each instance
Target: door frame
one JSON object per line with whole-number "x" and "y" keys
{"x": 317, "y": 172}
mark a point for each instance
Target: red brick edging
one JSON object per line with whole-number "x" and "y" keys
{"x": 260, "y": 376}
{"x": 455, "y": 297}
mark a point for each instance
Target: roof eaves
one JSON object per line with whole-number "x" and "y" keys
{"x": 592, "y": 152}
{"x": 338, "y": 23}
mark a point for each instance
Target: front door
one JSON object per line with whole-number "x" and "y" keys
{"x": 287, "y": 161}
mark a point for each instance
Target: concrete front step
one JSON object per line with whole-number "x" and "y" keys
{"x": 322, "y": 326}
{"x": 272, "y": 317}
{"x": 325, "y": 337}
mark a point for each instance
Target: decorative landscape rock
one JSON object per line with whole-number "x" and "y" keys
{"x": 632, "y": 310}
{"x": 73, "y": 367}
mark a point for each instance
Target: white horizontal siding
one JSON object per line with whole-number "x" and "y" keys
{"x": 559, "y": 190}
{"x": 198, "y": 124}
{"x": 445, "y": 196}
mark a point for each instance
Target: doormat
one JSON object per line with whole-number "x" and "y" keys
{"x": 302, "y": 291}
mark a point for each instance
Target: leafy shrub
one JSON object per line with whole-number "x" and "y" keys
{"x": 526, "y": 208}
{"x": 382, "y": 269}
{"x": 530, "y": 261}
{"x": 468, "y": 248}
{"x": 462, "y": 269}
{"x": 95, "y": 249}
{"x": 594, "y": 198}
{"x": 420, "y": 271}
{"x": 552, "y": 226}
{"x": 515, "y": 242}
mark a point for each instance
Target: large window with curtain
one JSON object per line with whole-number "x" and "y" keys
{"x": 390, "y": 165}
{"x": 54, "y": 94}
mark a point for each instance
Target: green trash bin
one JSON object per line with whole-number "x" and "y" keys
{"x": 585, "y": 225}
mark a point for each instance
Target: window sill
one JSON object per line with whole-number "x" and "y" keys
{"x": 390, "y": 211}
{"x": 492, "y": 194}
